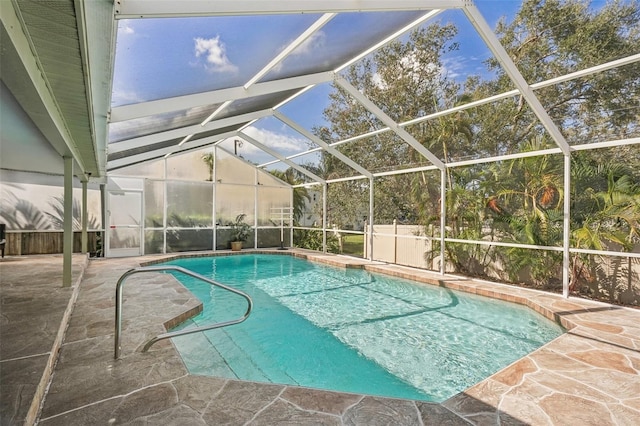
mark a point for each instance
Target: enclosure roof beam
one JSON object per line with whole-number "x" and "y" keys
{"x": 578, "y": 74}
{"x": 321, "y": 22}
{"x": 185, "y": 131}
{"x": 312, "y": 29}
{"x": 374, "y": 109}
{"x": 132, "y": 9}
{"x": 179, "y": 103}
{"x": 159, "y": 153}
{"x": 489, "y": 37}
{"x": 322, "y": 144}
{"x": 279, "y": 156}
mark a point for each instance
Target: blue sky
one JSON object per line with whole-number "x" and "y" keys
{"x": 159, "y": 58}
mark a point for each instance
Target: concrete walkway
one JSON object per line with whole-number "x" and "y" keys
{"x": 590, "y": 375}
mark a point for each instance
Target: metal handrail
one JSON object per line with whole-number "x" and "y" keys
{"x": 163, "y": 336}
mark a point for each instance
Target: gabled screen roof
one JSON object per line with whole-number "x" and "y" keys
{"x": 188, "y": 74}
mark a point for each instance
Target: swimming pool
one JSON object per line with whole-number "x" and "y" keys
{"x": 351, "y": 330}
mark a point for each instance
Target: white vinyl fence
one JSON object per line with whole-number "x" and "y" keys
{"x": 403, "y": 245}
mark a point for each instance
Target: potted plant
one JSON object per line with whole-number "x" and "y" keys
{"x": 240, "y": 231}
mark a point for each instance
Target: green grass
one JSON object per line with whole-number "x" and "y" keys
{"x": 353, "y": 244}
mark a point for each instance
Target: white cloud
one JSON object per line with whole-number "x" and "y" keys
{"x": 282, "y": 143}
{"x": 315, "y": 42}
{"x": 454, "y": 67}
{"x": 214, "y": 53}
{"x": 124, "y": 97}
{"x": 125, "y": 28}
{"x": 379, "y": 81}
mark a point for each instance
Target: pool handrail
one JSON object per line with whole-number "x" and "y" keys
{"x": 120, "y": 284}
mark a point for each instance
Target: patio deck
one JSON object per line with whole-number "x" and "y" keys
{"x": 589, "y": 375}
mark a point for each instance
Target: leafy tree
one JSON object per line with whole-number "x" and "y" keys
{"x": 405, "y": 80}
{"x": 551, "y": 38}
{"x": 521, "y": 200}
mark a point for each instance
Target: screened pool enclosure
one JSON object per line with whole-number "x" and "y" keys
{"x": 497, "y": 139}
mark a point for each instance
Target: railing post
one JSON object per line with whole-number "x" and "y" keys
{"x": 120, "y": 284}
{"x": 395, "y": 241}
{"x": 366, "y": 240}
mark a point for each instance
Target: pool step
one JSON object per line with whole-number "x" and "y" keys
{"x": 201, "y": 357}
{"x": 238, "y": 348}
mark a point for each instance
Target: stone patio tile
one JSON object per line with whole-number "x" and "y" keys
{"x": 618, "y": 385}
{"x": 87, "y": 373}
{"x": 565, "y": 409}
{"x": 19, "y": 381}
{"x": 514, "y": 374}
{"x": 522, "y": 408}
{"x": 373, "y": 411}
{"x": 436, "y": 415}
{"x": 564, "y": 384}
{"x": 605, "y": 359}
{"x": 239, "y": 402}
{"x": 94, "y": 414}
{"x": 319, "y": 400}
{"x": 178, "y": 415}
{"x": 197, "y": 391}
{"x": 553, "y": 361}
{"x": 284, "y": 413}
{"x": 624, "y": 416}
{"x": 145, "y": 402}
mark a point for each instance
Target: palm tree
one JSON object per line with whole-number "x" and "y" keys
{"x": 300, "y": 194}
{"x": 610, "y": 215}
{"x": 209, "y": 159}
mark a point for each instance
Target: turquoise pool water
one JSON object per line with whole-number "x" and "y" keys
{"x": 350, "y": 330}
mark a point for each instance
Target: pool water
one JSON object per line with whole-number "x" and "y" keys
{"x": 350, "y": 330}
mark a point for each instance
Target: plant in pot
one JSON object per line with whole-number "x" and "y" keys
{"x": 240, "y": 231}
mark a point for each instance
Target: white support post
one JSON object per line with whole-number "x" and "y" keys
{"x": 103, "y": 222}
{"x": 215, "y": 198}
{"x": 291, "y": 220}
{"x": 510, "y": 68}
{"x": 324, "y": 217}
{"x": 255, "y": 210}
{"x": 371, "y": 219}
{"x": 365, "y": 243}
{"x": 68, "y": 222}
{"x": 85, "y": 238}
{"x": 566, "y": 260}
{"x": 165, "y": 208}
{"x": 443, "y": 218}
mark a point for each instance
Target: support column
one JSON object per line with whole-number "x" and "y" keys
{"x": 324, "y": 217}
{"x": 68, "y": 222}
{"x": 291, "y": 220}
{"x": 103, "y": 220}
{"x": 255, "y": 209}
{"x": 84, "y": 218}
{"x": 371, "y": 218}
{"x": 566, "y": 260}
{"x": 443, "y": 217}
{"x": 214, "y": 178}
